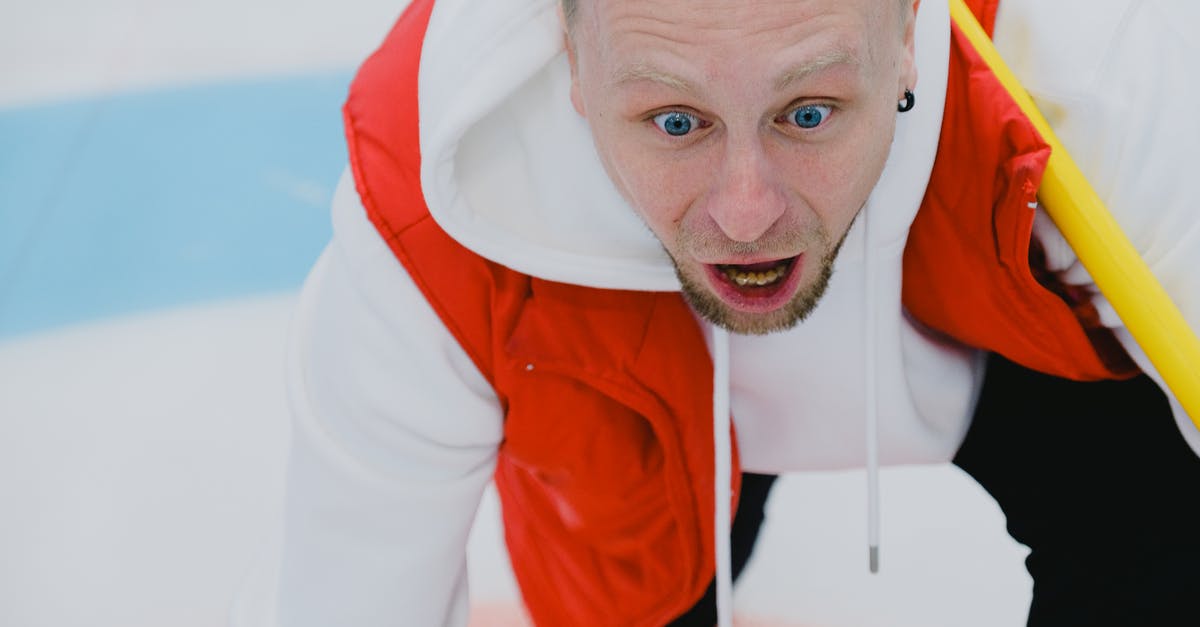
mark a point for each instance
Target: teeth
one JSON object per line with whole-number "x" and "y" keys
{"x": 756, "y": 278}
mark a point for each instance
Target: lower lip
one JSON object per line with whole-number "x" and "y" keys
{"x": 754, "y": 299}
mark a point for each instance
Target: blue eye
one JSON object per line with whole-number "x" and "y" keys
{"x": 676, "y": 123}
{"x": 810, "y": 116}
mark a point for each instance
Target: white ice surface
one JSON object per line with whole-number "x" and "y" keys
{"x": 53, "y": 49}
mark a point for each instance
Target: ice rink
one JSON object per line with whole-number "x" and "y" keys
{"x": 165, "y": 173}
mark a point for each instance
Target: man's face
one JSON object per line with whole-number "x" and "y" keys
{"x": 746, "y": 133}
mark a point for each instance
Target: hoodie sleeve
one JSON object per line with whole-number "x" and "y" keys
{"x": 1115, "y": 96}
{"x": 394, "y": 439}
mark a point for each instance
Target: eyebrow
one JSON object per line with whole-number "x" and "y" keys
{"x": 812, "y": 66}
{"x": 642, "y": 71}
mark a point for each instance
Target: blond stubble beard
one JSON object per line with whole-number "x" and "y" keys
{"x": 711, "y": 308}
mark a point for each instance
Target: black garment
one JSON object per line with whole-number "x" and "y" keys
{"x": 747, "y": 521}
{"x": 1097, "y": 481}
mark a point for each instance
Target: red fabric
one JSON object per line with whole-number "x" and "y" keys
{"x": 606, "y": 471}
{"x": 985, "y": 12}
{"x": 967, "y": 270}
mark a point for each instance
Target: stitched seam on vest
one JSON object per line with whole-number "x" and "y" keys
{"x": 392, "y": 238}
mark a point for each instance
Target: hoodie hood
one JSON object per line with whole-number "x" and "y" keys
{"x": 509, "y": 168}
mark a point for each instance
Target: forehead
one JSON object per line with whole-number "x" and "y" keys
{"x": 748, "y": 39}
{"x": 616, "y": 26}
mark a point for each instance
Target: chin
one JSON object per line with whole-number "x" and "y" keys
{"x": 713, "y": 309}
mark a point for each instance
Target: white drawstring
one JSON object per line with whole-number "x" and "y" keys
{"x": 870, "y": 382}
{"x": 722, "y": 475}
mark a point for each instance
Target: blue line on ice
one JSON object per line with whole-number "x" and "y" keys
{"x": 117, "y": 204}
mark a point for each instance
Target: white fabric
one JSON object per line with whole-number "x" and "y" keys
{"x": 396, "y": 432}
{"x": 723, "y": 474}
{"x": 394, "y": 440}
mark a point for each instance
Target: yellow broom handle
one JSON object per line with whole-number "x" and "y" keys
{"x": 1138, "y": 298}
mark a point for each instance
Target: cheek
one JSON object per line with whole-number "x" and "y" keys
{"x": 660, "y": 187}
{"x": 836, "y": 180}
{"x": 662, "y": 193}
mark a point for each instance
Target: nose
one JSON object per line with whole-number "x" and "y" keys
{"x": 745, "y": 200}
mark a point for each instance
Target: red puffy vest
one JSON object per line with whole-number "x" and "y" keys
{"x": 606, "y": 470}
{"x": 967, "y": 262}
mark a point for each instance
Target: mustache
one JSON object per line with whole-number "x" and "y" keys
{"x": 782, "y": 244}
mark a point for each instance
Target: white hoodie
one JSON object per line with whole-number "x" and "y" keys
{"x": 395, "y": 432}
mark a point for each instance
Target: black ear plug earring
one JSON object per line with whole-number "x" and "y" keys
{"x": 908, "y": 103}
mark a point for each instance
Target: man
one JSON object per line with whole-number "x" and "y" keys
{"x": 502, "y": 299}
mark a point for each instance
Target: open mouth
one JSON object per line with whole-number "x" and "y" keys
{"x": 760, "y": 287}
{"x": 756, "y": 275}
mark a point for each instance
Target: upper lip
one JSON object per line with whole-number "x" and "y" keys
{"x": 747, "y": 261}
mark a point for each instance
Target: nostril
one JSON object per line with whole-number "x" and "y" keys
{"x": 747, "y": 209}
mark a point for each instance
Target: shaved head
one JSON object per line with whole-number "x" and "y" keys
{"x": 570, "y": 7}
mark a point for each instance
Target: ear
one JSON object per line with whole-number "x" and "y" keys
{"x": 908, "y": 63}
{"x": 576, "y": 96}
{"x": 573, "y": 62}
